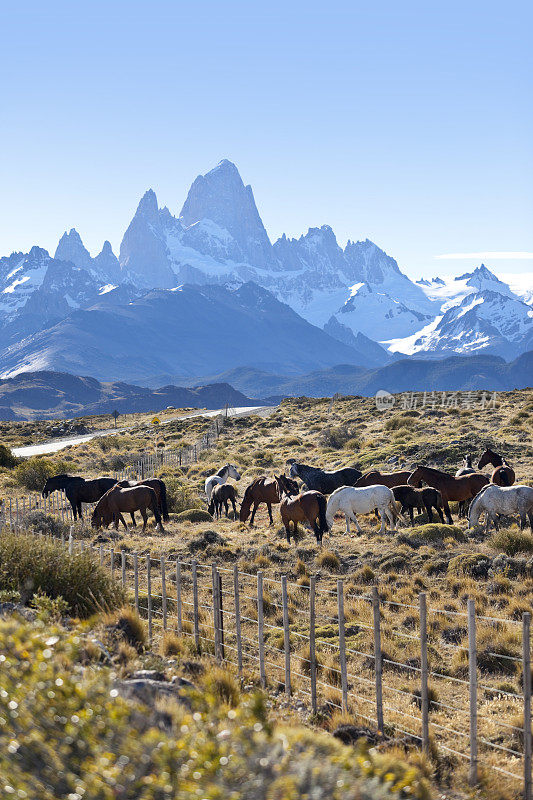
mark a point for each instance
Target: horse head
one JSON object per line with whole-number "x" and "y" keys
{"x": 54, "y": 483}
{"x": 415, "y": 478}
{"x": 232, "y": 472}
{"x": 486, "y": 458}
{"x": 293, "y": 470}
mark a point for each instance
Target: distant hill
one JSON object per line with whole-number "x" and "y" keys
{"x": 410, "y": 374}
{"x": 38, "y": 395}
{"x": 183, "y": 333}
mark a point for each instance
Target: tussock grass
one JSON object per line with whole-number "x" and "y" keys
{"x": 512, "y": 542}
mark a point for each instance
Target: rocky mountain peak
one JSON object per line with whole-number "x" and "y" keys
{"x": 221, "y": 197}
{"x": 148, "y": 205}
{"x": 71, "y": 248}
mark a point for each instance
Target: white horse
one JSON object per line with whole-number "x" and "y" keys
{"x": 494, "y": 500}
{"x": 351, "y": 501}
{"x": 227, "y": 471}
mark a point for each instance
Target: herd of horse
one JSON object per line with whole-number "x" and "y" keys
{"x": 320, "y": 497}
{"x": 388, "y": 494}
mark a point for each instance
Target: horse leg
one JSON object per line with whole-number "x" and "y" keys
{"x": 121, "y": 519}
{"x": 412, "y": 515}
{"x": 234, "y": 508}
{"x": 288, "y": 531}
{"x": 530, "y": 516}
{"x": 269, "y": 507}
{"x": 144, "y": 515}
{"x": 357, "y": 526}
{"x": 522, "y": 520}
{"x": 132, "y": 515}
{"x": 447, "y": 511}
{"x": 347, "y": 522}
{"x": 428, "y": 512}
{"x": 254, "y": 509}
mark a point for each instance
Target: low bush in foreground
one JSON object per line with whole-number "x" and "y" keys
{"x": 72, "y": 736}
{"x": 31, "y": 564}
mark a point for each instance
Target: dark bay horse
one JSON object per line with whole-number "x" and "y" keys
{"x": 375, "y": 477}
{"x": 263, "y": 490}
{"x": 307, "y": 507}
{"x": 450, "y": 487}
{"x": 504, "y": 474}
{"x": 322, "y": 481}
{"x": 159, "y": 488}
{"x": 221, "y": 496}
{"x": 128, "y": 500}
{"x": 410, "y": 498}
{"x": 78, "y": 490}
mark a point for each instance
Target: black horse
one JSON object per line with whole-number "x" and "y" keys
{"x": 78, "y": 490}
{"x": 322, "y": 481}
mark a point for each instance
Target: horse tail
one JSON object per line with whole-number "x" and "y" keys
{"x": 395, "y": 508}
{"x": 323, "y": 526}
{"x": 154, "y": 505}
{"x": 246, "y": 504}
{"x": 163, "y": 498}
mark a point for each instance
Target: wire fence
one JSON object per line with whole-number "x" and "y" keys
{"x": 377, "y": 660}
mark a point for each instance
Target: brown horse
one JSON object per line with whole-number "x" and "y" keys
{"x": 390, "y": 479}
{"x": 307, "y": 507}
{"x": 136, "y": 498}
{"x": 221, "y": 496}
{"x": 264, "y": 490}
{"x": 159, "y": 488}
{"x": 450, "y": 487}
{"x": 504, "y": 474}
{"x": 411, "y": 498}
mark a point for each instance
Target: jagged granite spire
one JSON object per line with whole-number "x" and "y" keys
{"x": 71, "y": 248}
{"x": 143, "y": 250}
{"x": 221, "y": 197}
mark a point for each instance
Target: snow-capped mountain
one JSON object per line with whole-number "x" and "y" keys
{"x": 357, "y": 294}
{"x": 479, "y": 312}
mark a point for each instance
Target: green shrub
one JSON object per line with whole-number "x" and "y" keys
{"x": 34, "y": 565}
{"x": 72, "y": 736}
{"x": 33, "y": 473}
{"x": 194, "y": 515}
{"x": 39, "y": 522}
{"x": 512, "y": 542}
{"x": 7, "y": 459}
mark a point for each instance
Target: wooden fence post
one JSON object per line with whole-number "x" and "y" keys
{"x": 260, "y": 629}
{"x": 342, "y": 645}
{"x": 164, "y": 592}
{"x": 70, "y": 542}
{"x": 123, "y": 566}
{"x": 378, "y": 658}
{"x": 312, "y": 643}
{"x": 101, "y": 554}
{"x": 424, "y": 695}
{"x": 237, "y": 617}
{"x": 216, "y": 621}
{"x": 179, "y": 623}
{"x": 286, "y": 635}
{"x": 149, "y": 595}
{"x": 136, "y": 580}
{"x": 526, "y": 679}
{"x": 195, "y": 605}
{"x": 112, "y": 563}
{"x": 472, "y": 681}
{"x": 221, "y": 615}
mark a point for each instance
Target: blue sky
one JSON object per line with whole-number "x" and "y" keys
{"x": 407, "y": 123}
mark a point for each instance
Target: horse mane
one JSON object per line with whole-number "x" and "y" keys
{"x": 432, "y": 469}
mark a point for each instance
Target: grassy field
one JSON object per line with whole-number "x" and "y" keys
{"x": 448, "y": 563}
